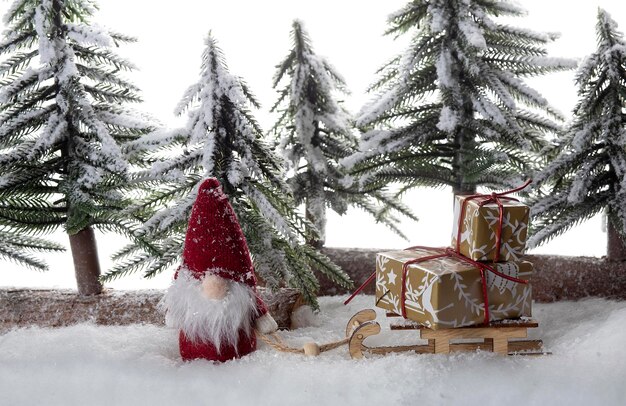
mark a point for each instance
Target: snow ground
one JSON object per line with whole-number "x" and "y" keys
{"x": 140, "y": 365}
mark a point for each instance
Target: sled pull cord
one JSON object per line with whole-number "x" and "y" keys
{"x": 275, "y": 341}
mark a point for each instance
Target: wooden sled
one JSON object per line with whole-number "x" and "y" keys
{"x": 496, "y": 337}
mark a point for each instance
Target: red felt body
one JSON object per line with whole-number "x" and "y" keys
{"x": 202, "y": 350}
{"x": 246, "y": 344}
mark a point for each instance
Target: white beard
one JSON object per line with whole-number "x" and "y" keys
{"x": 215, "y": 321}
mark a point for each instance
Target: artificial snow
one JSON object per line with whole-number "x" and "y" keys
{"x": 89, "y": 35}
{"x": 444, "y": 65}
{"x": 448, "y": 119}
{"x": 140, "y": 364}
{"x": 472, "y": 33}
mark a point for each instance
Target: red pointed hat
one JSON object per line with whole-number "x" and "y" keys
{"x": 214, "y": 242}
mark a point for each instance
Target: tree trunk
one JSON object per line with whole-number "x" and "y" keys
{"x": 465, "y": 145}
{"x": 315, "y": 202}
{"x": 318, "y": 219}
{"x": 86, "y": 263}
{"x": 315, "y": 208}
{"x": 616, "y": 245}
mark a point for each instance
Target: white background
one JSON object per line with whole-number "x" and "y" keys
{"x": 255, "y": 37}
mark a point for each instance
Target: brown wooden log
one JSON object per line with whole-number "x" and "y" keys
{"x": 572, "y": 278}
{"x": 56, "y": 308}
{"x": 556, "y": 277}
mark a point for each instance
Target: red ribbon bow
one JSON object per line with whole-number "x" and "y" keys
{"x": 492, "y": 198}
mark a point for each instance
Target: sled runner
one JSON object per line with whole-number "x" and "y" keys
{"x": 501, "y": 337}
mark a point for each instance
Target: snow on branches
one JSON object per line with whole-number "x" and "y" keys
{"x": 455, "y": 100}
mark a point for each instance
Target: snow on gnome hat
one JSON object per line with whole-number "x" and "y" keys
{"x": 214, "y": 242}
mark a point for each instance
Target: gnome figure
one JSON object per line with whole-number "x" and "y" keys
{"x": 213, "y": 299}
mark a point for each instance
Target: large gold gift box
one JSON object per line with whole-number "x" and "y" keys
{"x": 479, "y": 225}
{"x": 447, "y": 292}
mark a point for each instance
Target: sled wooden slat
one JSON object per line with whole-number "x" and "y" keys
{"x": 525, "y": 347}
{"x": 483, "y": 332}
{"x": 418, "y": 349}
{"x": 410, "y": 325}
{"x": 502, "y": 337}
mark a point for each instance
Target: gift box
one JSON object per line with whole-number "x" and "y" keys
{"x": 447, "y": 292}
{"x": 479, "y": 222}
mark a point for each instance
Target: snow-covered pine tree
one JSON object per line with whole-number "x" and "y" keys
{"x": 314, "y": 132}
{"x": 61, "y": 123}
{"x": 453, "y": 109}
{"x": 222, "y": 139}
{"x": 589, "y": 173}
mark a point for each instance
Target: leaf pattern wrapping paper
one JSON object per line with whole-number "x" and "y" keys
{"x": 479, "y": 225}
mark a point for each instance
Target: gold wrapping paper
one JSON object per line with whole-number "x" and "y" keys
{"x": 479, "y": 225}
{"x": 447, "y": 292}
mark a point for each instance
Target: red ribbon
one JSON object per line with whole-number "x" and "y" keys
{"x": 492, "y": 198}
{"x": 443, "y": 252}
{"x": 360, "y": 288}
